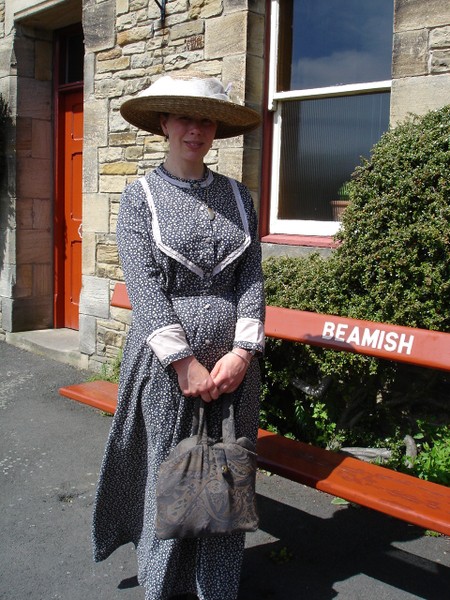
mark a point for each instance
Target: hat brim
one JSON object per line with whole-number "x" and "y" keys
{"x": 232, "y": 119}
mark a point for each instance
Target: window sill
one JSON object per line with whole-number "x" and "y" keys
{"x": 315, "y": 241}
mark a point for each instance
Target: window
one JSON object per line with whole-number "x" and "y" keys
{"x": 329, "y": 88}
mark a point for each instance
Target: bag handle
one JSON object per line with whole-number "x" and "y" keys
{"x": 199, "y": 427}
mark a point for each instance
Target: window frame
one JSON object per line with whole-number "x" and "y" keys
{"x": 275, "y": 100}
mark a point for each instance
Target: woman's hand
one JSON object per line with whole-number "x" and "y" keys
{"x": 195, "y": 380}
{"x": 230, "y": 370}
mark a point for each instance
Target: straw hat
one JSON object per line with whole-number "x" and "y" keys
{"x": 190, "y": 94}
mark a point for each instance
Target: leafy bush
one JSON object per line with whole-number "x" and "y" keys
{"x": 392, "y": 265}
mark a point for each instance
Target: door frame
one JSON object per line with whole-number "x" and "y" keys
{"x": 59, "y": 91}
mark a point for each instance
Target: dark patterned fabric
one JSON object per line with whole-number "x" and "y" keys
{"x": 189, "y": 264}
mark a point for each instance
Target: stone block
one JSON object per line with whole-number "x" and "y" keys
{"x": 109, "y": 54}
{"x": 256, "y": 34}
{"x": 230, "y": 162}
{"x": 187, "y": 29}
{"x": 89, "y": 75}
{"x": 43, "y": 280}
{"x": 34, "y": 98}
{"x": 122, "y": 6}
{"x": 7, "y": 320}
{"x": 134, "y": 153}
{"x": 112, "y": 183}
{"x": 254, "y": 82}
{"x": 7, "y": 60}
{"x": 117, "y": 122}
{"x": 8, "y": 241}
{"x": 122, "y": 315}
{"x": 133, "y": 35}
{"x": 110, "y": 66}
{"x": 96, "y": 122}
{"x": 226, "y": 35}
{"x": 23, "y": 287}
{"x": 106, "y": 155}
{"x": 199, "y": 9}
{"x": 24, "y": 214}
{"x": 29, "y": 314}
{"x": 119, "y": 168}
{"x": 109, "y": 87}
{"x": 34, "y": 246}
{"x": 417, "y": 14}
{"x": 34, "y": 178}
{"x": 251, "y": 174}
{"x": 418, "y": 95}
{"x": 137, "y": 48}
{"x": 23, "y": 136}
{"x": 126, "y": 138}
{"x": 108, "y": 254}
{"x": 88, "y": 252}
{"x": 440, "y": 38}
{"x": 42, "y": 213}
{"x": 94, "y": 299}
{"x": 41, "y": 139}
{"x": 43, "y": 67}
{"x": 88, "y": 334}
{"x": 24, "y": 56}
{"x": 410, "y": 55}
{"x": 90, "y": 169}
{"x": 99, "y": 25}
{"x": 440, "y": 62}
{"x": 95, "y": 213}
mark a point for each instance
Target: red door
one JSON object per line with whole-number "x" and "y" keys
{"x": 68, "y": 233}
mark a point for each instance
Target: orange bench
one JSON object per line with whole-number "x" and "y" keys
{"x": 405, "y": 497}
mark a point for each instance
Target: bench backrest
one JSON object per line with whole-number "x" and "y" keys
{"x": 393, "y": 342}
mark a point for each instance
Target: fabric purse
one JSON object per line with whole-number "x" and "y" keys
{"x": 207, "y": 487}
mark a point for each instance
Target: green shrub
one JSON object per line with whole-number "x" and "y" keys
{"x": 392, "y": 265}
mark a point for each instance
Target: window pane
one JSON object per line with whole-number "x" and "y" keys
{"x": 340, "y": 42}
{"x": 71, "y": 58}
{"x": 322, "y": 143}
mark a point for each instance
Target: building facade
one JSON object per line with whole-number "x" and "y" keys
{"x": 67, "y": 65}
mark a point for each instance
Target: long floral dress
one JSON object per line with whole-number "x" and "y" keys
{"x": 192, "y": 266}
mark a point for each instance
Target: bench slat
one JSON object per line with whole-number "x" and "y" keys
{"x": 98, "y": 394}
{"x": 421, "y": 347}
{"x": 402, "y": 496}
{"x": 399, "y": 495}
{"x": 392, "y": 342}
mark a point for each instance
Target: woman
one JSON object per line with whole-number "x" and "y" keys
{"x": 190, "y": 254}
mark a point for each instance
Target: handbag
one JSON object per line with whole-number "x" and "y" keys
{"x": 207, "y": 487}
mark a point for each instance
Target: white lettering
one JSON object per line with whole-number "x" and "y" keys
{"x": 405, "y": 343}
{"x": 391, "y": 341}
{"x": 328, "y": 330}
{"x": 341, "y": 328}
{"x": 370, "y": 338}
{"x": 379, "y": 339}
{"x": 354, "y": 336}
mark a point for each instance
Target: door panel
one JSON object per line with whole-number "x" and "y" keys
{"x": 69, "y": 199}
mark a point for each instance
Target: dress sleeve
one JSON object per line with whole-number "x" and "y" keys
{"x": 153, "y": 314}
{"x": 249, "y": 332}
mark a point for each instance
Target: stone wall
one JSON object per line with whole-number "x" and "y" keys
{"x": 421, "y": 57}
{"x": 127, "y": 47}
{"x": 26, "y": 278}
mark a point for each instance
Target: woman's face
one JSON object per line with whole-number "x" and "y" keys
{"x": 190, "y": 139}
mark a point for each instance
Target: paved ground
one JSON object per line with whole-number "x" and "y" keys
{"x": 306, "y": 548}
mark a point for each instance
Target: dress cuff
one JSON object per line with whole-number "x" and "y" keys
{"x": 249, "y": 334}
{"x": 168, "y": 342}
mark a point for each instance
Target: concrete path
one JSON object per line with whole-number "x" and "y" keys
{"x": 307, "y": 548}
